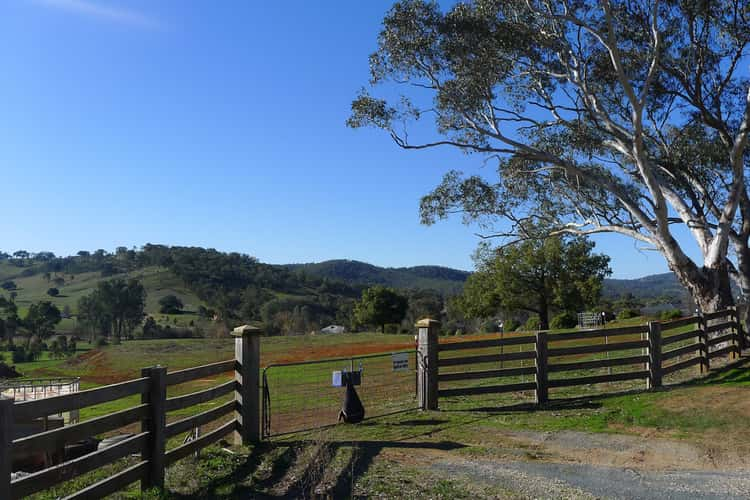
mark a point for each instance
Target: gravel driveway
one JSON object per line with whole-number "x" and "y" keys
{"x": 552, "y": 480}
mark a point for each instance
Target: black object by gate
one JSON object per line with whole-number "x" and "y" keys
{"x": 299, "y": 396}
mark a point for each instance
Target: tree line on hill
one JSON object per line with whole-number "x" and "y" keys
{"x": 535, "y": 284}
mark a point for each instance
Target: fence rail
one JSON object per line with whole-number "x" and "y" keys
{"x": 151, "y": 413}
{"x": 643, "y": 352}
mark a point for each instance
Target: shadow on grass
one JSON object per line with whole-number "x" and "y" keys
{"x": 429, "y": 421}
{"x": 287, "y": 477}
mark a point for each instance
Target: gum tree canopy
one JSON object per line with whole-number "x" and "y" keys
{"x": 628, "y": 117}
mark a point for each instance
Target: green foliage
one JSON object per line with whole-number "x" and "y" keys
{"x": 19, "y": 355}
{"x": 41, "y": 319}
{"x": 53, "y": 292}
{"x": 511, "y": 325}
{"x": 8, "y": 285}
{"x": 170, "y": 304}
{"x": 116, "y": 307}
{"x": 101, "y": 342}
{"x": 563, "y": 99}
{"x": 536, "y": 276}
{"x": 670, "y": 314}
{"x": 532, "y": 324}
{"x": 565, "y": 319}
{"x": 628, "y": 313}
{"x": 380, "y": 306}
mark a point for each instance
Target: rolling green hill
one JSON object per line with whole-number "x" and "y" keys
{"x": 158, "y": 282}
{"x": 352, "y": 272}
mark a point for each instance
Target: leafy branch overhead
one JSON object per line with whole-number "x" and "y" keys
{"x": 611, "y": 116}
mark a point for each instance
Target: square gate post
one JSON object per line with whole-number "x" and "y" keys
{"x": 654, "y": 354}
{"x": 427, "y": 363}
{"x": 540, "y": 362}
{"x": 155, "y": 424}
{"x": 703, "y": 339}
{"x": 6, "y": 445}
{"x": 247, "y": 378}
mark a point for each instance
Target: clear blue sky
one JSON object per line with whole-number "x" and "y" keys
{"x": 218, "y": 124}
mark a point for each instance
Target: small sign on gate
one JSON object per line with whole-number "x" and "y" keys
{"x": 400, "y": 361}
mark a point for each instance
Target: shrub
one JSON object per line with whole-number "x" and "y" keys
{"x": 19, "y": 355}
{"x": 8, "y": 285}
{"x": 510, "y": 325}
{"x": 489, "y": 326}
{"x": 565, "y": 319}
{"x": 100, "y": 342}
{"x": 392, "y": 328}
{"x": 628, "y": 313}
{"x": 53, "y": 292}
{"x": 670, "y": 314}
{"x": 170, "y": 304}
{"x": 531, "y": 324}
{"x": 35, "y": 349}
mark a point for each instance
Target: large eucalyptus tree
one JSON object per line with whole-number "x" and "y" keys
{"x": 627, "y": 117}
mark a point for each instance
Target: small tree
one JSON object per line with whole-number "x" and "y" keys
{"x": 170, "y": 304}
{"x": 536, "y": 276}
{"x": 380, "y": 306}
{"x": 42, "y": 318}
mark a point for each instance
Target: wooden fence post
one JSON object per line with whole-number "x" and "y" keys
{"x": 155, "y": 424}
{"x": 542, "y": 389}
{"x": 703, "y": 339}
{"x": 742, "y": 315}
{"x": 738, "y": 341}
{"x": 6, "y": 445}
{"x": 654, "y": 354}
{"x": 247, "y": 377}
{"x": 427, "y": 363}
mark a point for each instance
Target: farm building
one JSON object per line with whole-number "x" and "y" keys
{"x": 333, "y": 329}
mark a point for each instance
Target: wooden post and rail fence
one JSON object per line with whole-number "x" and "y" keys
{"x": 651, "y": 358}
{"x": 713, "y": 335}
{"x": 150, "y": 444}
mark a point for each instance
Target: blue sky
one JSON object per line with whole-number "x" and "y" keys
{"x": 218, "y": 124}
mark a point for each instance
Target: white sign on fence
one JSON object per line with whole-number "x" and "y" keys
{"x": 400, "y": 361}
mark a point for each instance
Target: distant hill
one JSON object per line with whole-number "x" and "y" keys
{"x": 648, "y": 287}
{"x": 353, "y": 272}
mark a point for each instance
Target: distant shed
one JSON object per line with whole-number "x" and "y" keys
{"x": 333, "y": 329}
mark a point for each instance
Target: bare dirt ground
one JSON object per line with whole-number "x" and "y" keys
{"x": 570, "y": 464}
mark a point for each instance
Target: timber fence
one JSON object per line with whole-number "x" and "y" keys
{"x": 535, "y": 364}
{"x": 149, "y": 445}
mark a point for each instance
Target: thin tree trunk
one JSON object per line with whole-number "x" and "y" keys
{"x": 543, "y": 314}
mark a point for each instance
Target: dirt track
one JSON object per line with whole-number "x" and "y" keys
{"x": 571, "y": 464}
{"x": 554, "y": 480}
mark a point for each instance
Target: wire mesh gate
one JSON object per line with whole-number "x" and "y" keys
{"x": 299, "y": 396}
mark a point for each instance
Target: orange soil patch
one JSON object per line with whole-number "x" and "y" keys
{"x": 482, "y": 336}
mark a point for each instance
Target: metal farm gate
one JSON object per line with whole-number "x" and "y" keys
{"x": 300, "y": 396}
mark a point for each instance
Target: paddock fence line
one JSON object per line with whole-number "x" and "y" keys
{"x": 531, "y": 365}
{"x": 237, "y": 412}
